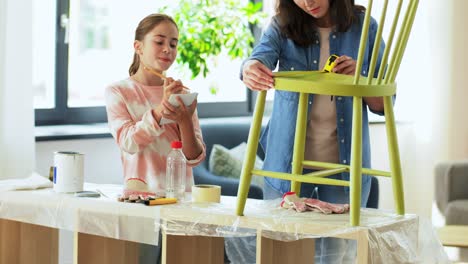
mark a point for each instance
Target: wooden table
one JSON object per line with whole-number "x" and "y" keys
{"x": 454, "y": 236}
{"x": 107, "y": 231}
{"x": 284, "y": 236}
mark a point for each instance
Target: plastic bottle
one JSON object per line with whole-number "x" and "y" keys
{"x": 175, "y": 172}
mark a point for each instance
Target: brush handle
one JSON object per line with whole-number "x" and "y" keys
{"x": 155, "y": 72}
{"x": 161, "y": 76}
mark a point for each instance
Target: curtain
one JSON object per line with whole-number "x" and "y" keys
{"x": 17, "y": 146}
{"x": 431, "y": 103}
{"x": 455, "y": 80}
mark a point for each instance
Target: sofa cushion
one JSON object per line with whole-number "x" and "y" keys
{"x": 228, "y": 132}
{"x": 457, "y": 213}
{"x": 228, "y": 162}
{"x": 451, "y": 179}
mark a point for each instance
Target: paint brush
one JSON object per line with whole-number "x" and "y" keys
{"x": 160, "y": 75}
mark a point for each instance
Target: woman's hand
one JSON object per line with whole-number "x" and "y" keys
{"x": 180, "y": 113}
{"x": 257, "y": 76}
{"x": 345, "y": 65}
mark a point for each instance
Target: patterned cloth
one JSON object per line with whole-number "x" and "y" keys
{"x": 143, "y": 143}
{"x": 290, "y": 200}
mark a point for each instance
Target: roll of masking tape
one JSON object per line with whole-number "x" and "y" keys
{"x": 204, "y": 193}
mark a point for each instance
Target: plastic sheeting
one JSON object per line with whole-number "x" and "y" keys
{"x": 102, "y": 216}
{"x": 391, "y": 238}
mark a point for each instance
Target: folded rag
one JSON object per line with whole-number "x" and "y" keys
{"x": 290, "y": 200}
{"x": 136, "y": 189}
{"x": 35, "y": 181}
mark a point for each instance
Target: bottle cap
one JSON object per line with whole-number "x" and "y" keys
{"x": 176, "y": 144}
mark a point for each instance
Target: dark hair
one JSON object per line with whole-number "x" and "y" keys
{"x": 144, "y": 27}
{"x": 300, "y": 27}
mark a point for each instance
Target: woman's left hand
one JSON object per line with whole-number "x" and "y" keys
{"x": 345, "y": 65}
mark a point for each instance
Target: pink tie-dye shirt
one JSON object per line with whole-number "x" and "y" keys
{"x": 143, "y": 143}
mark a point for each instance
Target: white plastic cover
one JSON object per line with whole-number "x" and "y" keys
{"x": 391, "y": 238}
{"x": 102, "y": 216}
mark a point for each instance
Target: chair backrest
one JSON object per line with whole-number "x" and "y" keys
{"x": 387, "y": 73}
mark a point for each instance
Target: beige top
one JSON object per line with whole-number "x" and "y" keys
{"x": 321, "y": 137}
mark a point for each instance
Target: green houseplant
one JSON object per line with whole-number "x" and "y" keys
{"x": 209, "y": 27}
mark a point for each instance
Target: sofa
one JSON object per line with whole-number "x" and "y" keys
{"x": 230, "y": 132}
{"x": 451, "y": 191}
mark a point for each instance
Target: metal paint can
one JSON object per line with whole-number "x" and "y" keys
{"x": 68, "y": 171}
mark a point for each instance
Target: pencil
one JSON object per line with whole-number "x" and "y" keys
{"x": 160, "y": 75}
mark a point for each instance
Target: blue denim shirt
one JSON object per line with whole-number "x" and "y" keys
{"x": 277, "y": 139}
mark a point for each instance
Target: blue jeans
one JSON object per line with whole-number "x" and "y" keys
{"x": 327, "y": 250}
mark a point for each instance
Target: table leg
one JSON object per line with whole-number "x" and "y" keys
{"x": 362, "y": 247}
{"x": 92, "y": 249}
{"x": 27, "y": 243}
{"x": 280, "y": 252}
{"x": 362, "y": 240}
{"x": 192, "y": 249}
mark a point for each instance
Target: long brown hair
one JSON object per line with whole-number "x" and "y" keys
{"x": 300, "y": 27}
{"x": 144, "y": 27}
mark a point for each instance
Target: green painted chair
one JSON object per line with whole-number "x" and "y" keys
{"x": 357, "y": 86}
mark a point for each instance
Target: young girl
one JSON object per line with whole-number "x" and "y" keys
{"x": 301, "y": 37}
{"x": 136, "y": 105}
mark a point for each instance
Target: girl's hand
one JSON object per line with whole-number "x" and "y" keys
{"x": 171, "y": 86}
{"x": 257, "y": 76}
{"x": 345, "y": 65}
{"x": 180, "y": 113}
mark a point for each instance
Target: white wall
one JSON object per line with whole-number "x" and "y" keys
{"x": 16, "y": 100}
{"x": 456, "y": 76}
{"x": 2, "y": 62}
{"x": 102, "y": 158}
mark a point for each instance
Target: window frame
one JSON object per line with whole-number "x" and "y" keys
{"x": 61, "y": 114}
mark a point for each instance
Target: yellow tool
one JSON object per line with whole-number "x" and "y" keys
{"x": 159, "y": 201}
{"x": 330, "y": 63}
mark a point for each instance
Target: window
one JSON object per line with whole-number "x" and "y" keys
{"x": 81, "y": 46}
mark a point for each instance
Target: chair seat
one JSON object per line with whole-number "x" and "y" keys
{"x": 318, "y": 82}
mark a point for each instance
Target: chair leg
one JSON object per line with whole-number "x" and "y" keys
{"x": 394, "y": 156}
{"x": 249, "y": 160}
{"x": 356, "y": 163}
{"x": 299, "y": 141}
